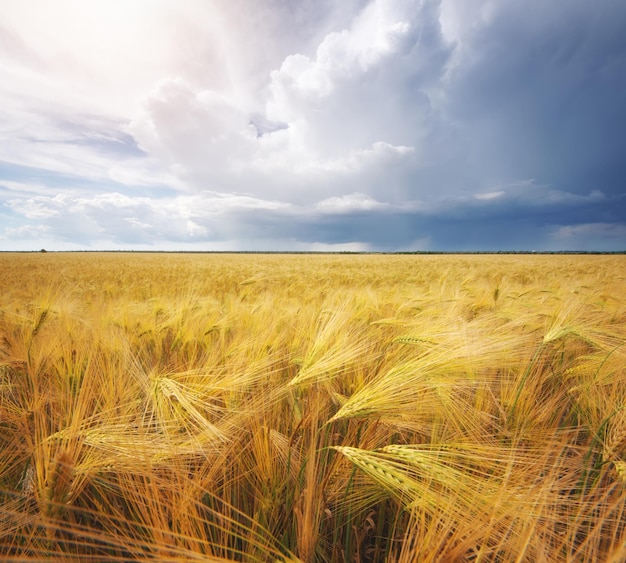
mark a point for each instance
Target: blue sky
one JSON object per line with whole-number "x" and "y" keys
{"x": 374, "y": 125}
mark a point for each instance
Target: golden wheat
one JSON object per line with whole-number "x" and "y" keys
{"x": 312, "y": 408}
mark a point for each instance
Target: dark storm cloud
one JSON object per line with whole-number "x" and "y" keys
{"x": 540, "y": 94}
{"x": 501, "y": 222}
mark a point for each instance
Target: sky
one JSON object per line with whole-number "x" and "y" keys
{"x": 313, "y": 125}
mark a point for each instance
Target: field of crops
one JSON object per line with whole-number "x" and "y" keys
{"x": 206, "y": 407}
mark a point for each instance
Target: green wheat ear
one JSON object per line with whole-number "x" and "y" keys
{"x": 620, "y": 468}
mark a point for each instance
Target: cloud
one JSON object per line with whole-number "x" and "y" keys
{"x": 378, "y": 124}
{"x": 26, "y": 232}
{"x": 339, "y": 247}
{"x": 592, "y": 229}
{"x": 489, "y": 195}
{"x": 349, "y": 203}
{"x": 535, "y": 87}
{"x": 317, "y": 133}
{"x": 212, "y": 220}
{"x": 63, "y": 143}
{"x": 125, "y": 220}
{"x": 201, "y": 134}
{"x": 589, "y": 236}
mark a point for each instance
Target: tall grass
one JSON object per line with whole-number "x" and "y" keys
{"x": 312, "y": 408}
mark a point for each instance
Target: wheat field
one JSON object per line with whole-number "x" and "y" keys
{"x": 216, "y": 407}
